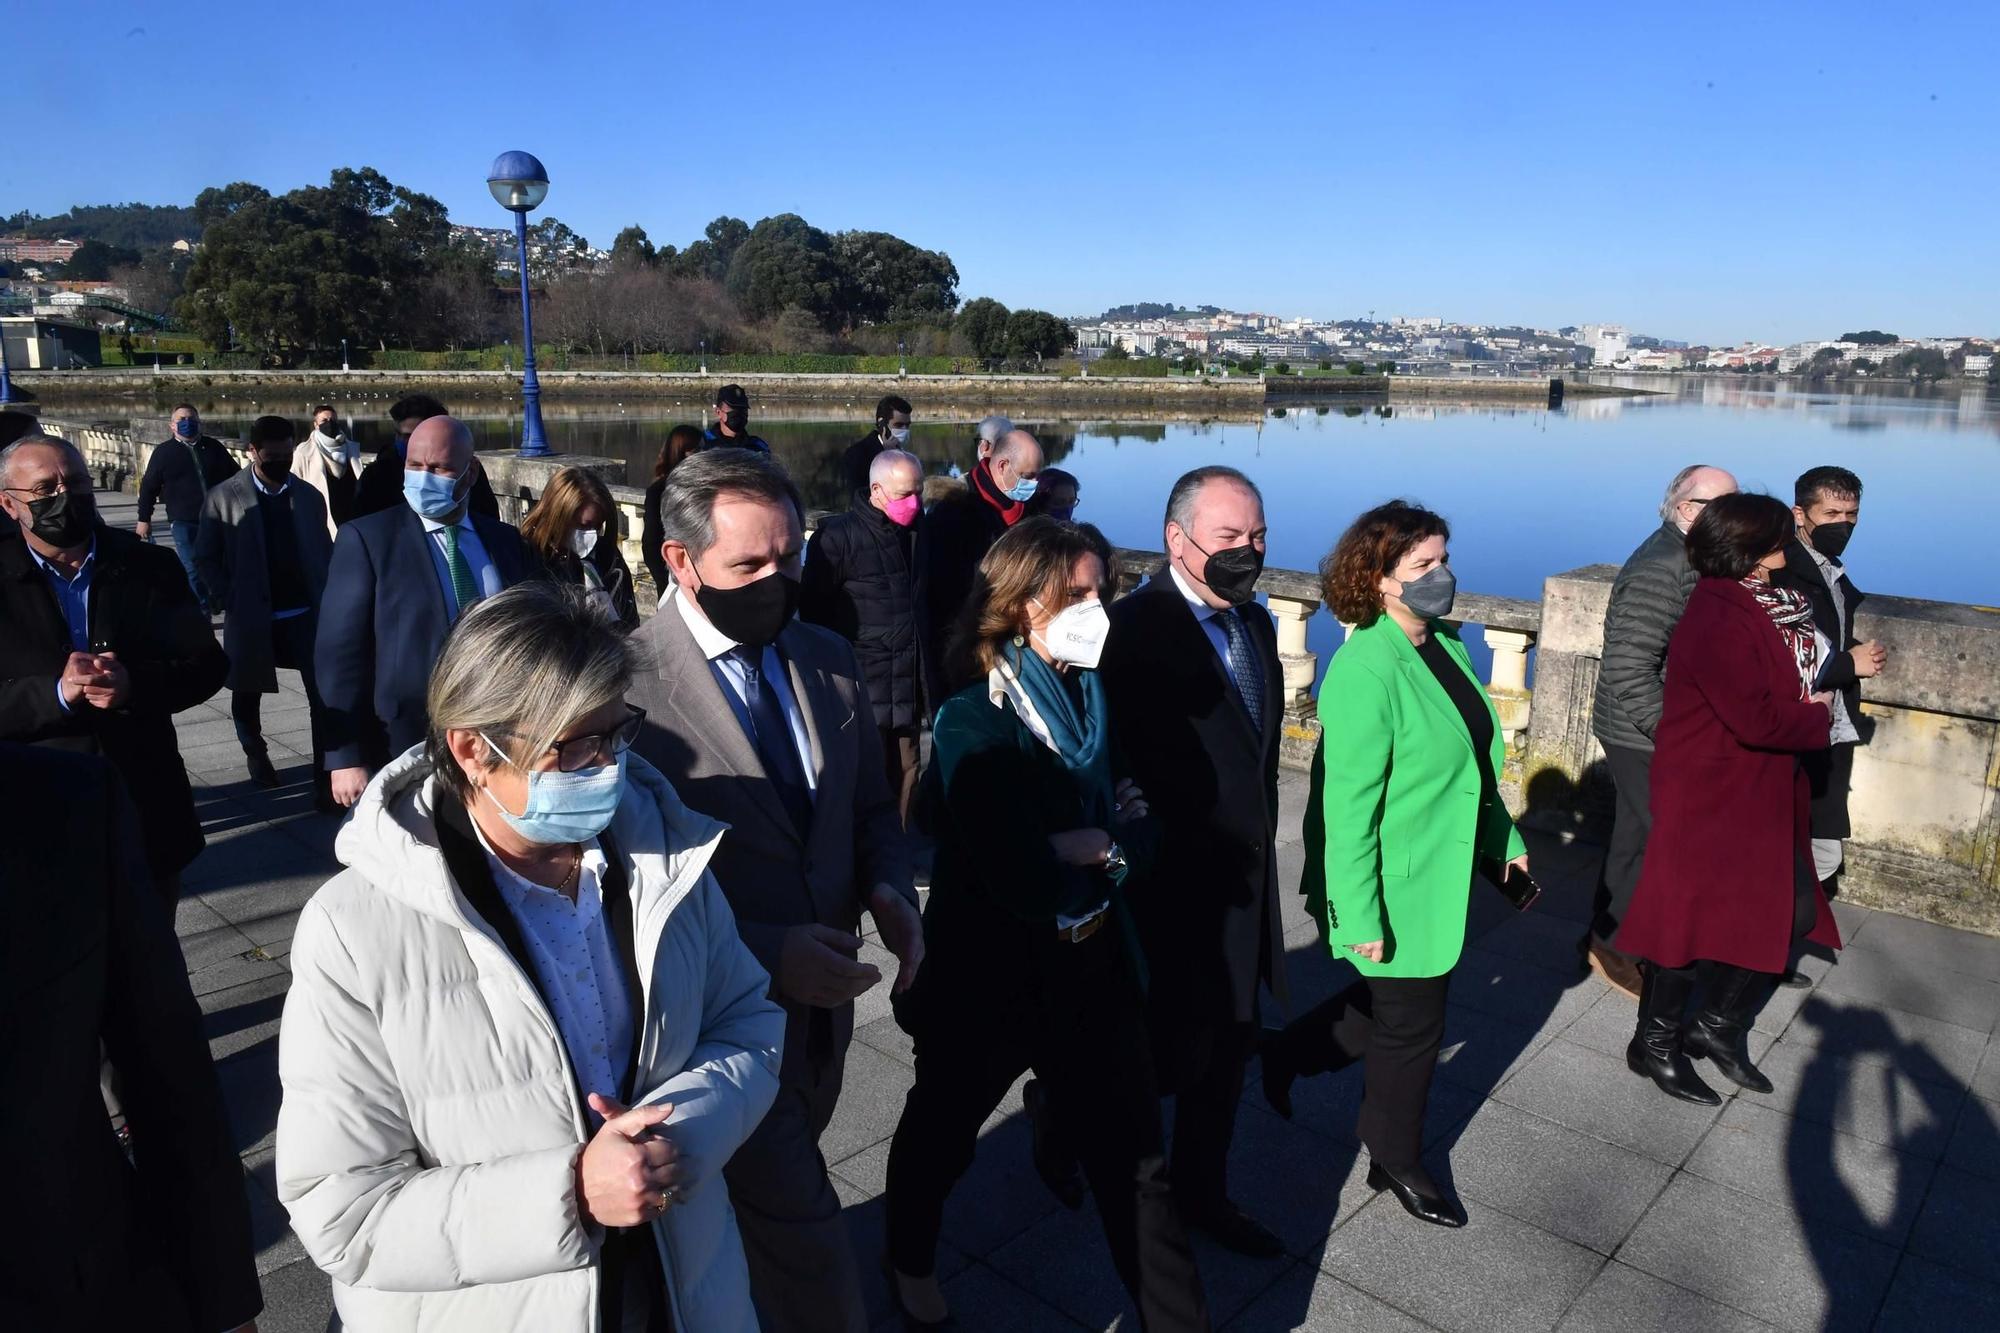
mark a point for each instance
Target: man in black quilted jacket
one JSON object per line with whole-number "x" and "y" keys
{"x": 1647, "y": 599}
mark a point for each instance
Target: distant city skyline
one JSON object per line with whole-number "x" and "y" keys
{"x": 1786, "y": 175}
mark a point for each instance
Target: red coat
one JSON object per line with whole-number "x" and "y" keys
{"x": 1729, "y": 797}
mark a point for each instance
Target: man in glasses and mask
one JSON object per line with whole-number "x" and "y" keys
{"x": 104, "y": 644}
{"x": 1197, "y": 699}
{"x": 765, "y": 722}
{"x": 397, "y": 582}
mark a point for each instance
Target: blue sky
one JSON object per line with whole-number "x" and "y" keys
{"x": 1713, "y": 172}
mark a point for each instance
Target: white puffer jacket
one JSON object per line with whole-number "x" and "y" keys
{"x": 430, "y": 1126}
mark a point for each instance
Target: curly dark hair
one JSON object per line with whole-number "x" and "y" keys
{"x": 1734, "y": 532}
{"x": 1350, "y": 576}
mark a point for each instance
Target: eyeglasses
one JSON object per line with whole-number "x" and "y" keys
{"x": 576, "y": 753}
{"x": 49, "y": 489}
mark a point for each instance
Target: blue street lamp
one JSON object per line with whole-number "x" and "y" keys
{"x": 519, "y": 184}
{"x": 6, "y": 383}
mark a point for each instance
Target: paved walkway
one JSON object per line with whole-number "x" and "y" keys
{"x": 1855, "y": 1197}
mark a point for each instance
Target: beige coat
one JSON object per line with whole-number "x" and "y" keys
{"x": 309, "y": 466}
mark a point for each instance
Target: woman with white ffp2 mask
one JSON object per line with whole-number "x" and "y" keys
{"x": 573, "y": 528}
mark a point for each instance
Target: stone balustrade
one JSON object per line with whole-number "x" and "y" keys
{"x": 1926, "y": 791}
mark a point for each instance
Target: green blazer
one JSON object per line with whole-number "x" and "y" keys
{"x": 1395, "y": 825}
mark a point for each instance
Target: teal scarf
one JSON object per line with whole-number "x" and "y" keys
{"x": 1082, "y": 739}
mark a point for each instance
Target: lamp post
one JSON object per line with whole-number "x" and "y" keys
{"x": 6, "y": 382}
{"x": 704, "y": 356}
{"x": 519, "y": 184}
{"x": 902, "y": 364}
{"x": 343, "y": 356}
{"x": 156, "y": 354}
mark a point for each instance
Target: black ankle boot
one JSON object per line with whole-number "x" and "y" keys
{"x": 1720, "y": 1030}
{"x": 1280, "y": 1069}
{"x": 1656, "y": 1047}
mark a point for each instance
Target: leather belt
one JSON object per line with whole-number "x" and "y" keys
{"x": 1083, "y": 929}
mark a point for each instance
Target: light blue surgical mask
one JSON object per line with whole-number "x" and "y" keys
{"x": 1024, "y": 490}
{"x": 435, "y": 497}
{"x": 564, "y": 807}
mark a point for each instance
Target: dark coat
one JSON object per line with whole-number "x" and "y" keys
{"x": 89, "y": 957}
{"x": 170, "y": 477}
{"x": 1728, "y": 795}
{"x": 958, "y": 532}
{"x": 855, "y": 462}
{"x": 381, "y": 626}
{"x": 230, "y": 556}
{"x": 1208, "y": 917}
{"x": 1829, "y": 771}
{"x": 613, "y": 575}
{"x": 381, "y": 487}
{"x": 652, "y": 536}
{"x": 1646, "y": 600}
{"x": 141, "y": 609}
{"x": 860, "y": 582}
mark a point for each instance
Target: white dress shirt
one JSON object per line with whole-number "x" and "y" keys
{"x": 720, "y": 650}
{"x": 471, "y": 548}
{"x": 576, "y": 961}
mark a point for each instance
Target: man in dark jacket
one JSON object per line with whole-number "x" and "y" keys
{"x": 263, "y": 551}
{"x": 892, "y": 431}
{"x": 957, "y": 535}
{"x": 1191, "y": 673}
{"x": 93, "y": 1240}
{"x": 1827, "y": 505}
{"x": 1647, "y": 598}
{"x": 732, "y": 423}
{"x": 381, "y": 484}
{"x": 180, "y": 473}
{"x": 104, "y": 644}
{"x": 860, "y": 582}
{"x": 397, "y": 581}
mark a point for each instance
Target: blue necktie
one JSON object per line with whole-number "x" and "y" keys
{"x": 771, "y": 733}
{"x": 1244, "y": 666}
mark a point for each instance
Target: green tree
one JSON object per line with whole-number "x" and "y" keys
{"x": 884, "y": 278}
{"x": 983, "y": 324}
{"x": 553, "y": 249}
{"x": 1356, "y": 368}
{"x": 1922, "y": 363}
{"x": 785, "y": 262}
{"x": 1869, "y": 338}
{"x": 1117, "y": 352}
{"x": 94, "y": 260}
{"x": 1386, "y": 367}
{"x": 1032, "y": 333}
{"x": 632, "y": 249}
{"x": 711, "y": 256}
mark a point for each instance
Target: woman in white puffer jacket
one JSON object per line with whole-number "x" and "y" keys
{"x": 525, "y": 941}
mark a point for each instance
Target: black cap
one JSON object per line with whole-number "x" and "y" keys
{"x": 732, "y": 395}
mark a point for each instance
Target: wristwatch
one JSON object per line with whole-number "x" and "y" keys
{"x": 1114, "y": 860}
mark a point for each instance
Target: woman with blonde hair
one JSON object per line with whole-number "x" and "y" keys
{"x": 1030, "y": 962}
{"x": 523, "y": 1035}
{"x": 573, "y": 529}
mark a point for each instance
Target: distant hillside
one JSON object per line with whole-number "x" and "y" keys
{"x": 126, "y": 226}
{"x": 1155, "y": 310}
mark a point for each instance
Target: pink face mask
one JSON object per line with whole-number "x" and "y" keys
{"x": 903, "y": 512}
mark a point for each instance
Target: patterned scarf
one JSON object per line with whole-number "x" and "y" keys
{"x": 1792, "y": 614}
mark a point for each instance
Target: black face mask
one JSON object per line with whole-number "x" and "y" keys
{"x": 1830, "y": 539}
{"x": 63, "y": 519}
{"x": 754, "y": 614}
{"x": 274, "y": 474}
{"x": 737, "y": 419}
{"x": 1232, "y": 574}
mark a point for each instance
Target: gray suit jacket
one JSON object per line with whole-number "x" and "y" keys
{"x": 229, "y": 556}
{"x": 774, "y": 876}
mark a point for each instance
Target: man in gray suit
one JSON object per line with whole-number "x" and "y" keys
{"x": 765, "y": 723}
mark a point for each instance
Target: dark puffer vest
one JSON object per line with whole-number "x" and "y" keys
{"x": 860, "y": 582}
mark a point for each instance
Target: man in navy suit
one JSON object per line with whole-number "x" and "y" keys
{"x": 398, "y": 580}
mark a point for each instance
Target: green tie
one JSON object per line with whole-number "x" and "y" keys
{"x": 463, "y": 589}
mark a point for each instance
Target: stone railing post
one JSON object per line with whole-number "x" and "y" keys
{"x": 1509, "y": 686}
{"x": 1298, "y": 662}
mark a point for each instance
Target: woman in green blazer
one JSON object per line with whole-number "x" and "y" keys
{"x": 1405, "y": 805}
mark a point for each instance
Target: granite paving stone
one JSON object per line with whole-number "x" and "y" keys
{"x": 1496, "y": 1274}
{"x": 1815, "y": 1170}
{"x": 1960, "y": 1223}
{"x": 1622, "y": 1299}
{"x": 1886, "y": 979}
{"x": 298, "y": 1298}
{"x": 1871, "y": 1098}
{"x": 1307, "y": 1299}
{"x": 1975, "y": 1144}
{"x": 1761, "y": 1259}
{"x": 1934, "y": 946}
{"x": 1521, "y": 991}
{"x": 1929, "y": 1048}
{"x": 1986, "y": 1082}
{"x": 1928, "y": 1295}
{"x": 1567, "y": 1183}
{"x": 1595, "y": 1094}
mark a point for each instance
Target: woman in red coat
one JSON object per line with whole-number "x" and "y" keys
{"x": 1728, "y": 874}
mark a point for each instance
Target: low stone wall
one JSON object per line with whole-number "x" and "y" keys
{"x": 1926, "y": 794}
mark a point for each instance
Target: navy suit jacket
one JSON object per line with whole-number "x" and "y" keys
{"x": 381, "y": 627}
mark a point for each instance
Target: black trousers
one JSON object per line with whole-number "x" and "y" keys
{"x": 291, "y": 646}
{"x": 1079, "y": 1023}
{"x": 1202, "y": 1066}
{"x": 1631, "y": 825}
{"x": 1395, "y": 1025}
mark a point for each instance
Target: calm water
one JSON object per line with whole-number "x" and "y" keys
{"x": 1528, "y": 492}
